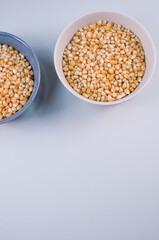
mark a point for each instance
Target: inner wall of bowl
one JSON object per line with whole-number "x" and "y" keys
{"x": 127, "y": 22}
{"x": 22, "y": 48}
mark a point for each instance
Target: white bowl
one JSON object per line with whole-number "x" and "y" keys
{"x": 118, "y": 18}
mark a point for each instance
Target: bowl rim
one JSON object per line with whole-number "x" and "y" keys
{"x": 36, "y": 87}
{"x": 84, "y": 98}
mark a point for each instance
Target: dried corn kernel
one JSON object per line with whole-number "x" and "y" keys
{"x": 104, "y": 62}
{"x": 16, "y": 81}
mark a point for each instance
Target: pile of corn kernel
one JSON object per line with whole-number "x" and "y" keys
{"x": 104, "y": 62}
{"x": 16, "y": 81}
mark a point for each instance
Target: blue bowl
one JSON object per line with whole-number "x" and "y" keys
{"x": 22, "y": 47}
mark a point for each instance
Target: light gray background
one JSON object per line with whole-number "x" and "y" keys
{"x": 70, "y": 170}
